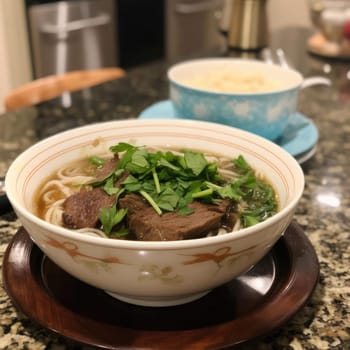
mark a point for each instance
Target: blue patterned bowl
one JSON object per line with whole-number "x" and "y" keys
{"x": 199, "y": 90}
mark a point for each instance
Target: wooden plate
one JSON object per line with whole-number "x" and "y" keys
{"x": 251, "y": 306}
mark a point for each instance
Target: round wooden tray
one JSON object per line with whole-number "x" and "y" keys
{"x": 248, "y": 307}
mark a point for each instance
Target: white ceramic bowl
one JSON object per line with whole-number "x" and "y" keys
{"x": 154, "y": 273}
{"x": 265, "y": 113}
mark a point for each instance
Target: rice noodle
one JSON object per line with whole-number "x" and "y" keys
{"x": 92, "y": 232}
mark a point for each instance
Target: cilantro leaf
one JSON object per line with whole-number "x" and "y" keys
{"x": 195, "y": 161}
{"x": 98, "y": 161}
{"x": 109, "y": 186}
{"x": 168, "y": 200}
{"x": 119, "y": 233}
{"x": 110, "y": 217}
{"x": 121, "y": 147}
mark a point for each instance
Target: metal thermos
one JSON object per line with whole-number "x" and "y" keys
{"x": 248, "y": 28}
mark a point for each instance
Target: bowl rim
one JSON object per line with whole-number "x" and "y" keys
{"x": 151, "y": 245}
{"x": 253, "y": 62}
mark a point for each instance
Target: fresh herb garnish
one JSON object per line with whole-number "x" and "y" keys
{"x": 170, "y": 182}
{"x": 98, "y": 161}
{"x": 110, "y": 217}
{"x": 259, "y": 196}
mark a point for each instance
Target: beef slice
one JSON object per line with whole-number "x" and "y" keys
{"x": 147, "y": 225}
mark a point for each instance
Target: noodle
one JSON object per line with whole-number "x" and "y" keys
{"x": 57, "y": 189}
{"x": 92, "y": 232}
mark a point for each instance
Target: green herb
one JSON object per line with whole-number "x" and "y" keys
{"x": 258, "y": 195}
{"x": 195, "y": 161}
{"x": 170, "y": 182}
{"x": 241, "y": 165}
{"x": 168, "y": 200}
{"x": 98, "y": 161}
{"x": 156, "y": 180}
{"x": 122, "y": 147}
{"x": 228, "y": 191}
{"x": 109, "y": 186}
{"x": 110, "y": 217}
{"x": 204, "y": 193}
{"x": 119, "y": 233}
{"x": 151, "y": 201}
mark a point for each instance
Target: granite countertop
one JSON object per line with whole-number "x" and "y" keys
{"x": 323, "y": 213}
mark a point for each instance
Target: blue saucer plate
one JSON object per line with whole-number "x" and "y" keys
{"x": 299, "y": 138}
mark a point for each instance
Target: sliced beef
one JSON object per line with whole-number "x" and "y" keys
{"x": 82, "y": 209}
{"x": 107, "y": 169}
{"x": 147, "y": 225}
{"x": 134, "y": 203}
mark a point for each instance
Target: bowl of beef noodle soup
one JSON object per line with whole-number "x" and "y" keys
{"x": 155, "y": 212}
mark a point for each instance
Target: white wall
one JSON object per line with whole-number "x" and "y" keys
{"x": 287, "y": 13}
{"x": 15, "y": 64}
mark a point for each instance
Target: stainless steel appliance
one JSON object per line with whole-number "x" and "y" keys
{"x": 69, "y": 35}
{"x": 248, "y": 25}
{"x": 193, "y": 28}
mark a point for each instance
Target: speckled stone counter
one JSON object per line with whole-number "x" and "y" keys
{"x": 323, "y": 213}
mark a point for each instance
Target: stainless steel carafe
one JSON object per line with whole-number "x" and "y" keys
{"x": 248, "y": 28}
